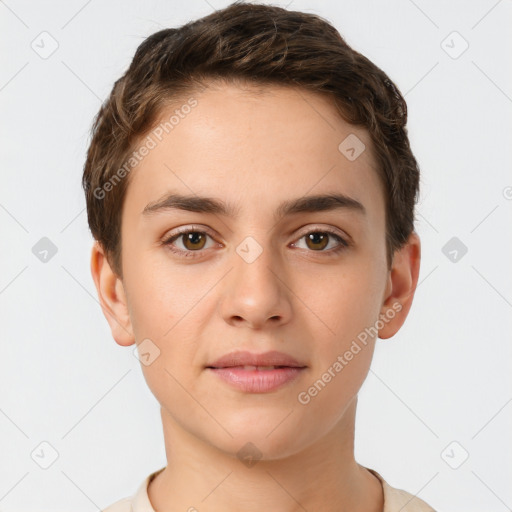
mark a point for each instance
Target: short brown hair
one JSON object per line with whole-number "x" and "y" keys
{"x": 261, "y": 45}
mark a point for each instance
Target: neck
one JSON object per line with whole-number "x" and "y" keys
{"x": 324, "y": 476}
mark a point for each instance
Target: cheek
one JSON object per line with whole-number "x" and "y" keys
{"x": 344, "y": 302}
{"x": 324, "y": 400}
{"x": 166, "y": 307}
{"x": 158, "y": 299}
{"x": 153, "y": 311}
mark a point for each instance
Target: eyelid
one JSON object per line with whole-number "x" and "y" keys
{"x": 187, "y": 229}
{"x": 326, "y": 229}
{"x": 302, "y": 232}
{"x": 344, "y": 240}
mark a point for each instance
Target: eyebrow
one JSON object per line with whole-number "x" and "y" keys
{"x": 313, "y": 203}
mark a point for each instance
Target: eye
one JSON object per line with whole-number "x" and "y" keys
{"x": 318, "y": 240}
{"x": 192, "y": 241}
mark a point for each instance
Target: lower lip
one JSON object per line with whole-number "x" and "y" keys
{"x": 257, "y": 381}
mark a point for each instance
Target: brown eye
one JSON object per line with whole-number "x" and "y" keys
{"x": 317, "y": 240}
{"x": 194, "y": 240}
{"x": 188, "y": 243}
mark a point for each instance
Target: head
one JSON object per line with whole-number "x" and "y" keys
{"x": 306, "y": 240}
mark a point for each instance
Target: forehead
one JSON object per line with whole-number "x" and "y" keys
{"x": 254, "y": 145}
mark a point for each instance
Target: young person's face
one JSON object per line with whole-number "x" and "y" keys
{"x": 253, "y": 281}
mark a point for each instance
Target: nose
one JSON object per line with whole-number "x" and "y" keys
{"x": 257, "y": 291}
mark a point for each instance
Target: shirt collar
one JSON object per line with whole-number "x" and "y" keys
{"x": 394, "y": 499}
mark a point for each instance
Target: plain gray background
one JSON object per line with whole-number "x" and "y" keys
{"x": 438, "y": 392}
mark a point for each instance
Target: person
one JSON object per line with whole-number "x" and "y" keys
{"x": 251, "y": 188}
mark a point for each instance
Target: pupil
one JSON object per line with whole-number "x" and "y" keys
{"x": 193, "y": 238}
{"x": 318, "y": 238}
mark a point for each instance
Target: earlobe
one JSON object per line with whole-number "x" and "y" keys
{"x": 401, "y": 286}
{"x": 112, "y": 297}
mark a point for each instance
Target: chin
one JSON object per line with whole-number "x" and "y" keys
{"x": 264, "y": 437}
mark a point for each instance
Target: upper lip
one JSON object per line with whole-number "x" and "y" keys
{"x": 244, "y": 358}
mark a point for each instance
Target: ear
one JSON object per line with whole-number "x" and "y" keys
{"x": 401, "y": 285}
{"x": 112, "y": 297}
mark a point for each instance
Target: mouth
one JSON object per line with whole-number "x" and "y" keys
{"x": 250, "y": 367}
{"x": 266, "y": 360}
{"x": 257, "y": 373}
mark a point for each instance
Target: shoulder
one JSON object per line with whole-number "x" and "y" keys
{"x": 398, "y": 500}
{"x": 138, "y": 502}
{"x": 124, "y": 505}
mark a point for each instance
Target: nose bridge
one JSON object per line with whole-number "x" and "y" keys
{"x": 256, "y": 264}
{"x": 255, "y": 290}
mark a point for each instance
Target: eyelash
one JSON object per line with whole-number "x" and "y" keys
{"x": 343, "y": 244}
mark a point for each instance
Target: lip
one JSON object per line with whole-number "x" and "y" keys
{"x": 245, "y": 358}
{"x": 240, "y": 370}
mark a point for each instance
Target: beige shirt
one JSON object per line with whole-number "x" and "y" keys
{"x": 395, "y": 500}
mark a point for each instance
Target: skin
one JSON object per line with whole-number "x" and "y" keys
{"x": 255, "y": 148}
